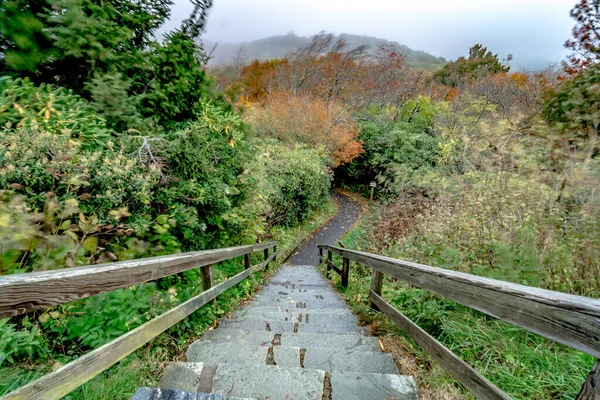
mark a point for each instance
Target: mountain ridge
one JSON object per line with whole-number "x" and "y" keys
{"x": 278, "y": 46}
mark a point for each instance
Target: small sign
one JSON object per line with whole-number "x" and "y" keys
{"x": 373, "y": 184}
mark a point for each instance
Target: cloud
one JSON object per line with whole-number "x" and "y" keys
{"x": 532, "y": 30}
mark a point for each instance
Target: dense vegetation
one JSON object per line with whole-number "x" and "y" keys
{"x": 117, "y": 146}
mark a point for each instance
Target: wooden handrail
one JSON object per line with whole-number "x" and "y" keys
{"x": 568, "y": 319}
{"x": 565, "y": 318}
{"x": 59, "y": 383}
{"x": 22, "y": 293}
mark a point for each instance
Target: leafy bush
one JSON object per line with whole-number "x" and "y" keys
{"x": 291, "y": 182}
{"x": 56, "y": 110}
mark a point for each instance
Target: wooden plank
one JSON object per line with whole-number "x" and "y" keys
{"x": 21, "y": 293}
{"x": 332, "y": 266}
{"x": 61, "y": 382}
{"x": 568, "y": 319}
{"x": 472, "y": 380}
{"x": 591, "y": 387}
{"x": 376, "y": 286}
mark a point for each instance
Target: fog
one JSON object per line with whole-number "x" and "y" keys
{"x": 533, "y": 31}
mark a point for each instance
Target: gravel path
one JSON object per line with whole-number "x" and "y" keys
{"x": 347, "y": 215}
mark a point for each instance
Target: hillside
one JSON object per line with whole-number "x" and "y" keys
{"x": 279, "y": 46}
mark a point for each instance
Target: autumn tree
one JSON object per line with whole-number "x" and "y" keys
{"x": 309, "y": 120}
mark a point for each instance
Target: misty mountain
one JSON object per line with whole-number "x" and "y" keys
{"x": 281, "y": 45}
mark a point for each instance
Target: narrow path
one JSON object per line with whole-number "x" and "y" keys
{"x": 295, "y": 340}
{"x": 348, "y": 213}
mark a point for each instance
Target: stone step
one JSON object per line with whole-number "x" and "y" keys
{"x": 308, "y": 317}
{"x": 321, "y": 358}
{"x": 239, "y": 381}
{"x": 147, "y": 393}
{"x": 270, "y": 325}
{"x": 358, "y": 385}
{"x": 294, "y": 289}
{"x": 300, "y": 304}
{"x": 235, "y": 381}
{"x": 264, "y": 338}
{"x": 254, "y": 309}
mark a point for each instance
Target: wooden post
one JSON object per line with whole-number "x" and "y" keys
{"x": 330, "y": 258}
{"x": 591, "y": 387}
{"x": 320, "y": 255}
{"x": 376, "y": 286}
{"x": 207, "y": 278}
{"x": 247, "y": 261}
{"x": 372, "y": 192}
{"x": 266, "y": 252}
{"x": 345, "y": 272}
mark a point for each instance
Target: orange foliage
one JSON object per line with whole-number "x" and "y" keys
{"x": 309, "y": 120}
{"x": 257, "y": 78}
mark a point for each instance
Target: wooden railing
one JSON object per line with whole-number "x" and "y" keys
{"x": 22, "y": 293}
{"x": 568, "y": 319}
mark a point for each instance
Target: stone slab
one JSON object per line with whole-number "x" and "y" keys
{"x": 213, "y": 353}
{"x": 235, "y": 336}
{"x": 171, "y": 394}
{"x": 278, "y": 311}
{"x": 327, "y": 359}
{"x": 332, "y": 341}
{"x": 321, "y": 316}
{"x": 355, "y": 386}
{"x": 259, "y": 323}
{"x": 268, "y": 382}
{"x": 265, "y": 339}
{"x": 181, "y": 376}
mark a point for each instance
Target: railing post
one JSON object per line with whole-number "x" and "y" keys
{"x": 330, "y": 259}
{"x": 591, "y": 387}
{"x": 376, "y": 286}
{"x": 207, "y": 278}
{"x": 247, "y": 261}
{"x": 345, "y": 272}
{"x": 266, "y": 253}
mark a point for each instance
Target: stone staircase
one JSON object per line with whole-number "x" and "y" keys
{"x": 296, "y": 340}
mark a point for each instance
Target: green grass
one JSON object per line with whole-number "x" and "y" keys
{"x": 523, "y": 364}
{"x": 145, "y": 366}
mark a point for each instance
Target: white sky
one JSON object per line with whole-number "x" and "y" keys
{"x": 532, "y": 30}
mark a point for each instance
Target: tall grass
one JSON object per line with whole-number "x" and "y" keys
{"x": 523, "y": 364}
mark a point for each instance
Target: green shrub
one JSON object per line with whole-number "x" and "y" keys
{"x": 393, "y": 153}
{"x": 290, "y": 182}
{"x": 24, "y": 343}
{"x": 56, "y": 110}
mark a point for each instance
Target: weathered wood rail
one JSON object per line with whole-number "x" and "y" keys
{"x": 568, "y": 319}
{"x": 26, "y": 292}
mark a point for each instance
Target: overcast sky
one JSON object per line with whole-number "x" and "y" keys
{"x": 532, "y": 30}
